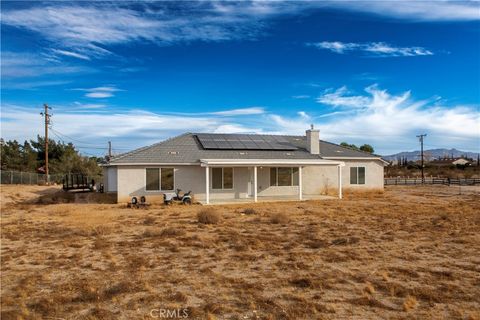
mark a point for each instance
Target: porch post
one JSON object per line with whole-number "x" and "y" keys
{"x": 207, "y": 186}
{"x": 300, "y": 188}
{"x": 255, "y": 183}
{"x": 339, "y": 182}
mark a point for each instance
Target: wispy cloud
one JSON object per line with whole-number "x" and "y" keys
{"x": 100, "y": 92}
{"x": 339, "y": 98}
{"x": 449, "y": 10}
{"x": 301, "y": 96}
{"x": 378, "y": 114}
{"x": 85, "y": 30}
{"x": 389, "y": 122}
{"x": 378, "y": 49}
{"x": 71, "y": 54}
{"x": 241, "y": 111}
{"x": 87, "y": 106}
{"x": 18, "y": 65}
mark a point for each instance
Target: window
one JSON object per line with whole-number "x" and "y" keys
{"x": 273, "y": 176}
{"x": 222, "y": 178}
{"x": 153, "y": 179}
{"x": 159, "y": 179}
{"x": 167, "y": 179}
{"x": 284, "y": 176}
{"x": 357, "y": 175}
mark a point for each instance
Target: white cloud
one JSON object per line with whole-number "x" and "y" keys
{"x": 391, "y": 121}
{"x": 338, "y": 98}
{"x": 79, "y": 106}
{"x": 99, "y": 95}
{"x": 241, "y": 111}
{"x": 388, "y": 121}
{"x": 415, "y": 10}
{"x": 71, "y": 54}
{"x": 18, "y": 65}
{"x": 378, "y": 49}
{"x": 100, "y": 92}
{"x": 301, "y": 96}
{"x": 85, "y": 30}
{"x": 303, "y": 115}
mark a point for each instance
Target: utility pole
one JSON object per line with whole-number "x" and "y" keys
{"x": 109, "y": 150}
{"x": 420, "y": 137}
{"x": 47, "y": 122}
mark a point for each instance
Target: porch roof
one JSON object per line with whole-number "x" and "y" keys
{"x": 268, "y": 162}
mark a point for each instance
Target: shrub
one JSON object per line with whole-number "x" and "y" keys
{"x": 149, "y": 221}
{"x": 249, "y": 211}
{"x": 409, "y": 303}
{"x": 279, "y": 218}
{"x": 208, "y": 216}
{"x": 301, "y": 282}
{"x": 172, "y": 232}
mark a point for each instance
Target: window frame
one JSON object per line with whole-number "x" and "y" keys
{"x": 159, "y": 179}
{"x": 292, "y": 180}
{"x": 357, "y": 169}
{"x": 223, "y": 178}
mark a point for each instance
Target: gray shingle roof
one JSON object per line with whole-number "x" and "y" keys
{"x": 187, "y": 149}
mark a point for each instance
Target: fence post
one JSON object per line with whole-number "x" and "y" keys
{"x": 11, "y": 177}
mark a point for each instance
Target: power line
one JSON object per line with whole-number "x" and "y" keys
{"x": 64, "y": 135}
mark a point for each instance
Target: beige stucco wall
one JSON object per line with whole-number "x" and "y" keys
{"x": 316, "y": 180}
{"x": 323, "y": 179}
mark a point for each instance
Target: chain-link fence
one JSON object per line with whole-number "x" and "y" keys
{"x": 17, "y": 177}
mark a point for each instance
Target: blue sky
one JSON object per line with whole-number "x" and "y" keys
{"x": 134, "y": 73}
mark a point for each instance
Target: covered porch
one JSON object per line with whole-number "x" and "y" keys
{"x": 261, "y": 180}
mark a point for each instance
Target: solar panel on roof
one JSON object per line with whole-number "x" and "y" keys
{"x": 243, "y": 142}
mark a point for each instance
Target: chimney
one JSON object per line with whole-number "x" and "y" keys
{"x": 313, "y": 140}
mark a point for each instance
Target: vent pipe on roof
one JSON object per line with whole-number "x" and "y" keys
{"x": 313, "y": 140}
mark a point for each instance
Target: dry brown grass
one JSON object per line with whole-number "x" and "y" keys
{"x": 208, "y": 216}
{"x": 406, "y": 253}
{"x": 279, "y": 218}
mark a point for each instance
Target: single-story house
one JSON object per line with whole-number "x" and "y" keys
{"x": 238, "y": 167}
{"x": 460, "y": 161}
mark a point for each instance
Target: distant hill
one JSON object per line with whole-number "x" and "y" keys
{"x": 431, "y": 154}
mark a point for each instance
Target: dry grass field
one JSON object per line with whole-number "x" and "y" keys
{"x": 407, "y": 253}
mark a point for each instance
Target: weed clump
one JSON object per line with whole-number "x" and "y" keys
{"x": 149, "y": 221}
{"x": 208, "y": 216}
{"x": 279, "y": 218}
{"x": 409, "y": 303}
{"x": 249, "y": 211}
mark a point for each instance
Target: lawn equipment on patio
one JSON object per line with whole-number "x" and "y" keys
{"x": 185, "y": 198}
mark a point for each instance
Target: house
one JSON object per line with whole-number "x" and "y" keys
{"x": 459, "y": 161}
{"x": 242, "y": 167}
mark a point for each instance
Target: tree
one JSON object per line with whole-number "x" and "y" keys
{"x": 367, "y": 148}
{"x": 63, "y": 158}
{"x": 347, "y": 145}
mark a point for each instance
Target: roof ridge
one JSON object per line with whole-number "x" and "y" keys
{"x": 147, "y": 147}
{"x": 251, "y": 134}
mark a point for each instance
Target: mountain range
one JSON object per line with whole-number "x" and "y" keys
{"x": 431, "y": 154}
